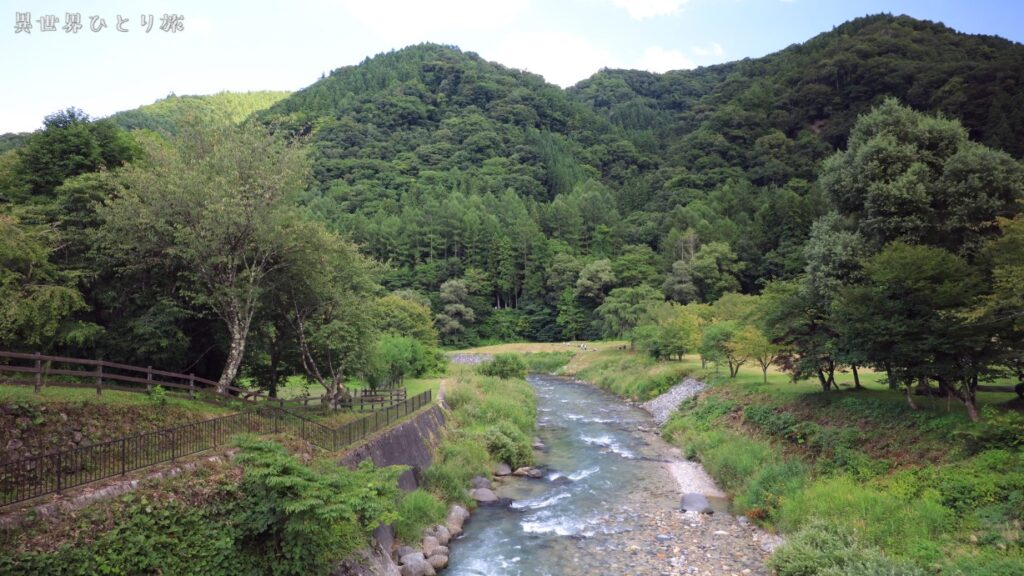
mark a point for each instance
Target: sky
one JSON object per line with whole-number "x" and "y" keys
{"x": 287, "y": 45}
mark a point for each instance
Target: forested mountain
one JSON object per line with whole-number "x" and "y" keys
{"x": 697, "y": 182}
{"x": 514, "y": 208}
{"x": 166, "y": 114}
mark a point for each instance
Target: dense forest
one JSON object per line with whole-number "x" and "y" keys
{"x": 843, "y": 179}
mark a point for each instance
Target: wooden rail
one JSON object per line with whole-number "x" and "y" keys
{"x": 101, "y": 374}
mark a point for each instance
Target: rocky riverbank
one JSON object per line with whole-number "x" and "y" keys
{"x": 662, "y": 407}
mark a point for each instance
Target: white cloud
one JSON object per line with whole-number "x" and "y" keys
{"x": 562, "y": 59}
{"x": 657, "y": 59}
{"x": 712, "y": 49}
{"x": 643, "y": 9}
{"x": 402, "y": 22}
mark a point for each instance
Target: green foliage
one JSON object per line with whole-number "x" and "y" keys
{"x": 460, "y": 458}
{"x": 504, "y": 366}
{"x": 301, "y": 519}
{"x": 904, "y": 527}
{"x": 546, "y": 362}
{"x": 395, "y": 357}
{"x": 417, "y": 510}
{"x": 832, "y": 549}
{"x": 158, "y": 395}
{"x": 168, "y": 114}
{"x": 507, "y": 443}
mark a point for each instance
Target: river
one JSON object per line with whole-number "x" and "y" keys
{"x": 608, "y": 503}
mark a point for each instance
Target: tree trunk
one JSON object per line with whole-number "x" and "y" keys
{"x": 891, "y": 377}
{"x": 910, "y": 397}
{"x": 238, "y": 331}
{"x": 825, "y": 384}
{"x": 856, "y": 378}
{"x": 764, "y": 372}
{"x": 972, "y": 408}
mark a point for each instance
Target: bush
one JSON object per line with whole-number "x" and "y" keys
{"x": 158, "y": 395}
{"x": 300, "y": 519}
{"x": 417, "y": 510}
{"x": 504, "y": 366}
{"x": 831, "y": 549}
{"x": 506, "y": 443}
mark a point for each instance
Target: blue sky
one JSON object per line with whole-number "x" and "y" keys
{"x": 286, "y": 45}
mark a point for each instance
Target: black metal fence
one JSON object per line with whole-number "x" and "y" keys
{"x": 26, "y": 478}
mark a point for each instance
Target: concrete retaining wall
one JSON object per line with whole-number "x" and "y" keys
{"x": 411, "y": 443}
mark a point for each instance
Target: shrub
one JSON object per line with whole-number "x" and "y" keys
{"x": 158, "y": 395}
{"x": 300, "y": 518}
{"x": 506, "y": 443}
{"x": 417, "y": 510}
{"x": 831, "y": 549}
{"x": 504, "y": 366}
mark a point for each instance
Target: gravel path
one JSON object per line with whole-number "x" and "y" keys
{"x": 663, "y": 406}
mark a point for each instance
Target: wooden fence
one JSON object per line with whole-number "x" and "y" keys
{"x": 26, "y": 478}
{"x": 35, "y": 369}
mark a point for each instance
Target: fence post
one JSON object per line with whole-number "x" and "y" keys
{"x": 275, "y": 422}
{"x": 39, "y": 373}
{"x": 191, "y": 386}
{"x": 60, "y": 465}
{"x": 174, "y": 445}
{"x": 99, "y": 377}
{"x": 149, "y": 378}
{"x": 124, "y": 452}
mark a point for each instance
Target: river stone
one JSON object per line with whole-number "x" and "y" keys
{"x": 438, "y": 561}
{"x": 440, "y": 532}
{"x": 502, "y": 469}
{"x": 440, "y": 551}
{"x": 457, "y": 516}
{"x": 535, "y": 473}
{"x": 404, "y": 551}
{"x": 480, "y": 482}
{"x": 694, "y": 502}
{"x": 416, "y": 565}
{"x": 429, "y": 545}
{"x": 483, "y": 495}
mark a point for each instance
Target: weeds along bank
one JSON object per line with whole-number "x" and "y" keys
{"x": 493, "y": 418}
{"x": 859, "y": 482}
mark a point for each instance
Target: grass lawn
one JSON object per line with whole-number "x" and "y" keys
{"x": 10, "y": 394}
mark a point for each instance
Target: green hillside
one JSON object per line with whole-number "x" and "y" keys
{"x": 166, "y": 114}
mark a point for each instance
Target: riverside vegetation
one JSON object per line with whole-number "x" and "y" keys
{"x": 858, "y": 481}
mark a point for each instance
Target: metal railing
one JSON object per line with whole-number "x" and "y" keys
{"x": 26, "y": 478}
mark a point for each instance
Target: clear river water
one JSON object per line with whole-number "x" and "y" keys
{"x": 602, "y": 472}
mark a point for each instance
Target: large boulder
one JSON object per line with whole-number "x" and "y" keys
{"x": 438, "y": 561}
{"x": 693, "y": 502}
{"x": 480, "y": 482}
{"x": 457, "y": 516}
{"x": 429, "y": 545}
{"x": 502, "y": 469}
{"x": 483, "y": 495}
{"x": 416, "y": 565}
{"x": 440, "y": 532}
